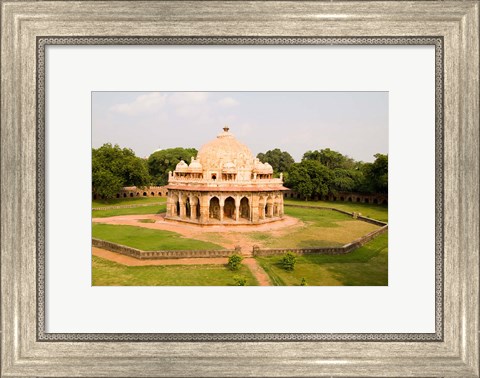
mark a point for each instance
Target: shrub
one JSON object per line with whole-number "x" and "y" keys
{"x": 288, "y": 261}
{"x": 234, "y": 262}
{"x": 304, "y": 282}
{"x": 240, "y": 281}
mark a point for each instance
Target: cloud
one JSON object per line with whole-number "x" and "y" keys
{"x": 187, "y": 98}
{"x": 143, "y": 104}
{"x": 227, "y": 102}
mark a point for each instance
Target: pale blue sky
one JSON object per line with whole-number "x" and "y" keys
{"x": 353, "y": 123}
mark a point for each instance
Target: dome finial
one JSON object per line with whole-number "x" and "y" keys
{"x": 226, "y": 128}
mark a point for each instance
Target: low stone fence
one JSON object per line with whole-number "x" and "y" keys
{"x": 170, "y": 254}
{"x": 257, "y": 251}
{"x": 129, "y": 206}
{"x": 358, "y": 216}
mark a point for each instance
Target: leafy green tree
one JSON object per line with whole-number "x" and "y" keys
{"x": 234, "y": 262}
{"x": 281, "y": 161}
{"x": 114, "y": 167}
{"x": 310, "y": 178}
{"x": 288, "y": 261}
{"x": 376, "y": 175}
{"x": 329, "y": 158}
{"x": 163, "y": 161}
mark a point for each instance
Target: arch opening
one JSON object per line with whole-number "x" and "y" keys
{"x": 229, "y": 208}
{"x": 244, "y": 208}
{"x": 214, "y": 208}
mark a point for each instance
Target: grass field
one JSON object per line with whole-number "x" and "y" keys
{"x": 128, "y": 201}
{"x": 319, "y": 228}
{"x": 154, "y": 209}
{"x": 379, "y": 212}
{"x": 366, "y": 266}
{"x": 147, "y": 239}
{"x": 107, "y": 273}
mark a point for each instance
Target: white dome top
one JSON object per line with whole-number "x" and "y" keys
{"x": 181, "y": 166}
{"x": 195, "y": 166}
{"x": 225, "y": 148}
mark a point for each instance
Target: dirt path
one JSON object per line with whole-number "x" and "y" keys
{"x": 232, "y": 236}
{"x": 251, "y": 263}
{"x": 257, "y": 271}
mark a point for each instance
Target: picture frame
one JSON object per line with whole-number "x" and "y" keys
{"x": 28, "y": 351}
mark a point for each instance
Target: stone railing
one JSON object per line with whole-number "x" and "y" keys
{"x": 347, "y": 248}
{"x": 168, "y": 254}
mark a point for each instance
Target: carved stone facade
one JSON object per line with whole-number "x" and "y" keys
{"x": 224, "y": 184}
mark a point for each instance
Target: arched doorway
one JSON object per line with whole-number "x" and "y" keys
{"x": 229, "y": 208}
{"x": 269, "y": 207}
{"x": 188, "y": 208}
{"x": 214, "y": 208}
{"x": 244, "y": 208}
{"x": 175, "y": 206}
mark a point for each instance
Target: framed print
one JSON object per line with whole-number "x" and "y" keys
{"x": 242, "y": 79}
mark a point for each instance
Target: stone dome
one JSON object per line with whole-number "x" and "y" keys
{"x": 228, "y": 167}
{"x": 181, "y": 166}
{"x": 195, "y": 166}
{"x": 225, "y": 148}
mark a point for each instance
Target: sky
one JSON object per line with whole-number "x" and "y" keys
{"x": 353, "y": 123}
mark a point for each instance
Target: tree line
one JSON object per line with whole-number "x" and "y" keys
{"x": 319, "y": 173}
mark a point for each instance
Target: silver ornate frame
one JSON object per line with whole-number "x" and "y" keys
{"x": 43, "y": 42}
{"x": 29, "y": 26}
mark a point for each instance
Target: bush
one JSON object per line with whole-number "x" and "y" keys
{"x": 288, "y": 261}
{"x": 240, "y": 281}
{"x": 234, "y": 262}
{"x": 304, "y": 282}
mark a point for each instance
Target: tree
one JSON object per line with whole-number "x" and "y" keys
{"x": 163, "y": 161}
{"x": 329, "y": 158}
{"x": 281, "y": 161}
{"x": 234, "y": 262}
{"x": 376, "y": 174}
{"x": 310, "y": 178}
{"x": 114, "y": 167}
{"x": 288, "y": 261}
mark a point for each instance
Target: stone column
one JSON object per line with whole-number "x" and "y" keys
{"x": 281, "y": 208}
{"x": 221, "y": 201}
{"x": 237, "y": 209}
{"x": 193, "y": 209}
{"x": 183, "y": 212}
{"x": 204, "y": 208}
{"x": 254, "y": 216}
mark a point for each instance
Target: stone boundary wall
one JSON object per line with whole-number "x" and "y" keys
{"x": 321, "y": 250}
{"x": 360, "y": 217}
{"x": 129, "y": 206}
{"x": 379, "y": 198}
{"x": 170, "y": 254}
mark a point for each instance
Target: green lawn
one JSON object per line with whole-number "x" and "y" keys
{"x": 321, "y": 228}
{"x": 366, "y": 266}
{"x": 154, "y": 209}
{"x": 379, "y": 212}
{"x": 147, "y": 239}
{"x": 128, "y": 201}
{"x": 108, "y": 273}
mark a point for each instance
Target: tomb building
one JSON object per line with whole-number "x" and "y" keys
{"x": 224, "y": 184}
